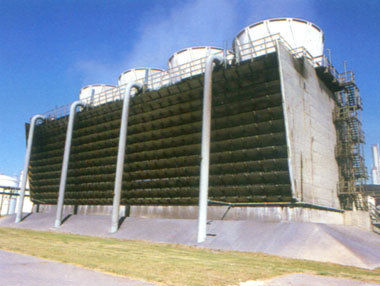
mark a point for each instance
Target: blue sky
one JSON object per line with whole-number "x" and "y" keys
{"x": 49, "y": 50}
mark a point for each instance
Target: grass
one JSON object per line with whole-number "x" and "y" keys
{"x": 168, "y": 264}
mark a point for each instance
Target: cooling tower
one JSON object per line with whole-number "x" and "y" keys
{"x": 191, "y": 61}
{"x": 150, "y": 77}
{"x": 251, "y": 41}
{"x": 280, "y": 131}
{"x": 96, "y": 94}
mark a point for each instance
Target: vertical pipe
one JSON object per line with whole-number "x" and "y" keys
{"x": 65, "y": 163}
{"x": 374, "y": 176}
{"x": 375, "y": 156}
{"x": 375, "y": 169}
{"x": 13, "y": 202}
{"x": 20, "y": 202}
{"x": 9, "y": 201}
{"x": 205, "y": 152}
{"x": 92, "y": 96}
{"x": 120, "y": 156}
{"x": 1, "y": 204}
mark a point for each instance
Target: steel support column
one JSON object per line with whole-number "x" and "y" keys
{"x": 120, "y": 156}
{"x": 20, "y": 203}
{"x": 65, "y": 163}
{"x": 205, "y": 152}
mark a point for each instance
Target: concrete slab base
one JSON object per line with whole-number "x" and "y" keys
{"x": 256, "y": 213}
{"x": 340, "y": 244}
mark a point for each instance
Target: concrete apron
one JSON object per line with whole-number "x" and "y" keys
{"x": 264, "y": 213}
{"x": 347, "y": 245}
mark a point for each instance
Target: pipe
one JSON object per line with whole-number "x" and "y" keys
{"x": 120, "y": 156}
{"x": 375, "y": 156}
{"x": 12, "y": 194}
{"x": 374, "y": 176}
{"x": 375, "y": 169}
{"x": 205, "y": 152}
{"x": 65, "y": 163}
{"x": 20, "y": 203}
{"x": 11, "y": 188}
{"x": 278, "y": 204}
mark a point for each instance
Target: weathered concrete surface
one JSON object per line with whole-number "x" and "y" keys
{"x": 300, "y": 279}
{"x": 358, "y": 218}
{"x": 19, "y": 269}
{"x": 264, "y": 213}
{"x": 308, "y": 111}
{"x": 321, "y": 242}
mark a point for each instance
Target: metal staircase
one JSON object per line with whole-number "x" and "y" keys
{"x": 349, "y": 150}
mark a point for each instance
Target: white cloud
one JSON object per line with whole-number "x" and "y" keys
{"x": 191, "y": 23}
{"x": 210, "y": 22}
{"x": 94, "y": 72}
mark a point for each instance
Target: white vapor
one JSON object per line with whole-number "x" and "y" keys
{"x": 187, "y": 24}
{"x": 192, "y": 23}
{"x": 198, "y": 23}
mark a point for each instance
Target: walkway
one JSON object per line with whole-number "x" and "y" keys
{"x": 19, "y": 269}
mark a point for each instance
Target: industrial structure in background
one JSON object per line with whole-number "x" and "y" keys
{"x": 373, "y": 190}
{"x": 9, "y": 194}
{"x": 375, "y": 172}
{"x": 285, "y": 144}
{"x": 8, "y": 191}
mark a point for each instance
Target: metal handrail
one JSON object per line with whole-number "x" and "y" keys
{"x": 249, "y": 50}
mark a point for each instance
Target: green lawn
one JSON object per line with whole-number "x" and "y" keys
{"x": 168, "y": 264}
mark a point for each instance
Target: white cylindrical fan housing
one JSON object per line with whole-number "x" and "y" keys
{"x": 254, "y": 40}
{"x": 7, "y": 181}
{"x": 152, "y": 78}
{"x": 96, "y": 94}
{"x": 191, "y": 61}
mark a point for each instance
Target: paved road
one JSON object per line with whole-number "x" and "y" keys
{"x": 300, "y": 279}
{"x": 19, "y": 269}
